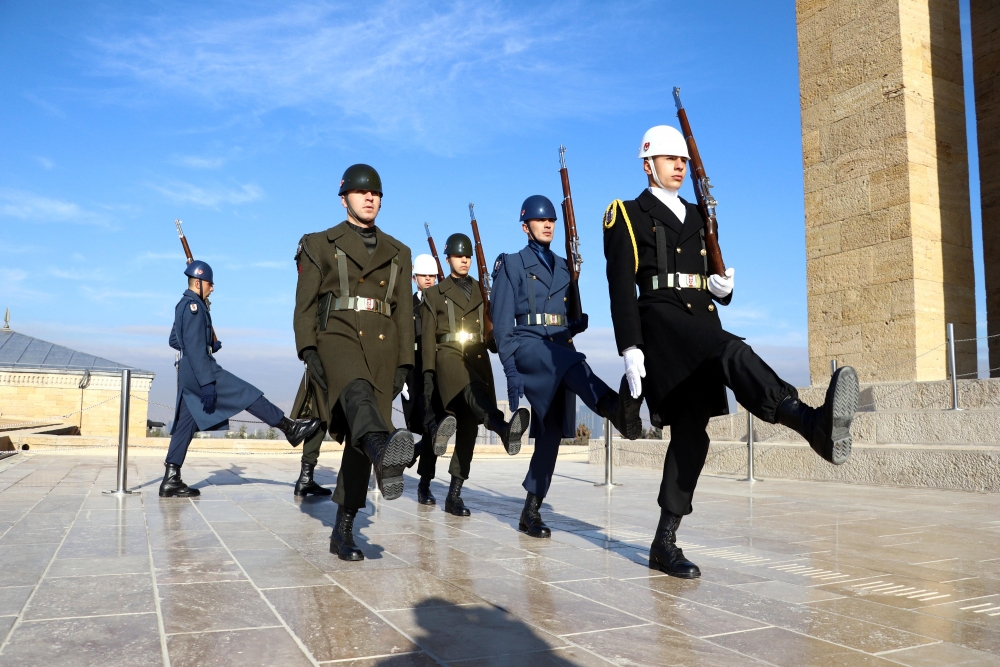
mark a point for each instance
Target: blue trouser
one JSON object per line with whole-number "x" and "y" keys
{"x": 580, "y": 380}
{"x": 185, "y": 428}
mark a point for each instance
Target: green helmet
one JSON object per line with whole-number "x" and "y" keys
{"x": 360, "y": 177}
{"x": 458, "y": 245}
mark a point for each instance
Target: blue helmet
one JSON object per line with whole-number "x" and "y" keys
{"x": 537, "y": 207}
{"x": 200, "y": 270}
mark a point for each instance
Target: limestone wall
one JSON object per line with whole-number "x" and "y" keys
{"x": 888, "y": 230}
{"x": 35, "y": 396}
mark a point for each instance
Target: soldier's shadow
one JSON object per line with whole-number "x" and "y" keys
{"x": 233, "y": 476}
{"x": 325, "y": 512}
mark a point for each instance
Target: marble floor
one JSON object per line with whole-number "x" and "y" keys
{"x": 794, "y": 573}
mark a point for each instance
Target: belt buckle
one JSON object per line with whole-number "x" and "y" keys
{"x": 689, "y": 280}
{"x": 366, "y": 304}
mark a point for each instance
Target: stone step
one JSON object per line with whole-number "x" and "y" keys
{"x": 972, "y": 394}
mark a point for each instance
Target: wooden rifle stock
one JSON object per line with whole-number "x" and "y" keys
{"x": 434, "y": 252}
{"x": 702, "y": 191}
{"x": 484, "y": 283}
{"x": 574, "y": 306}
{"x": 190, "y": 258}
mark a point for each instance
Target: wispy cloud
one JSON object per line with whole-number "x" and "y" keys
{"x": 50, "y": 108}
{"x": 109, "y": 294}
{"x": 444, "y": 75}
{"x": 14, "y": 287}
{"x": 209, "y": 197}
{"x": 36, "y": 208}
{"x": 197, "y": 162}
{"x": 45, "y": 162}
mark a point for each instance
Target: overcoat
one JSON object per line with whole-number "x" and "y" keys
{"x": 541, "y": 353}
{"x": 355, "y": 344}
{"x": 677, "y": 329}
{"x": 455, "y": 364}
{"x": 192, "y": 336}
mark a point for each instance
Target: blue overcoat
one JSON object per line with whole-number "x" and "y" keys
{"x": 541, "y": 353}
{"x": 192, "y": 336}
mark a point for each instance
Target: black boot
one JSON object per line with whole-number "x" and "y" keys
{"x": 453, "y": 504}
{"x": 389, "y": 454}
{"x": 173, "y": 487}
{"x": 531, "y": 520}
{"x": 441, "y": 432}
{"x": 298, "y": 430}
{"x": 342, "y": 540}
{"x": 305, "y": 485}
{"x": 826, "y": 429}
{"x": 424, "y": 495}
{"x": 665, "y": 555}
{"x": 622, "y": 410}
{"x": 510, "y": 432}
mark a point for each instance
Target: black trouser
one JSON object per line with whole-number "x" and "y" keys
{"x": 311, "y": 447}
{"x": 687, "y": 409}
{"x": 362, "y": 416}
{"x": 472, "y": 407}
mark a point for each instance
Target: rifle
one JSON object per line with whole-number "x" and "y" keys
{"x": 484, "y": 283}
{"x": 190, "y": 258}
{"x": 434, "y": 252}
{"x": 574, "y": 308}
{"x": 702, "y": 192}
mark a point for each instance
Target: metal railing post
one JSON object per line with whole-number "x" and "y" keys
{"x": 749, "y": 477}
{"x": 609, "y": 472}
{"x": 951, "y": 367}
{"x": 122, "y": 482}
{"x": 833, "y": 366}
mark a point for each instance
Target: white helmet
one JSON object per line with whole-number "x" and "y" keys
{"x": 424, "y": 265}
{"x": 663, "y": 140}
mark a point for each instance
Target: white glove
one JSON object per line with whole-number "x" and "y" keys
{"x": 721, "y": 286}
{"x": 635, "y": 369}
{"x": 405, "y": 392}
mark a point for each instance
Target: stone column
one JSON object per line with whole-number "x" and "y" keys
{"x": 888, "y": 230}
{"x": 986, "y": 73}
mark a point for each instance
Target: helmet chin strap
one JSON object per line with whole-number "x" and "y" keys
{"x": 656, "y": 178}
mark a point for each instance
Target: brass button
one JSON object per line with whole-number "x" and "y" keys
{"x": 534, "y": 277}
{"x": 678, "y": 251}
{"x": 361, "y": 333}
{"x": 477, "y": 321}
{"x": 381, "y": 336}
{"x": 551, "y": 338}
{"x": 689, "y": 305}
{"x": 381, "y": 284}
{"x": 711, "y": 307}
{"x": 361, "y": 279}
{"x": 703, "y": 252}
{"x": 570, "y": 340}
{"x": 479, "y": 356}
{"x": 564, "y": 298}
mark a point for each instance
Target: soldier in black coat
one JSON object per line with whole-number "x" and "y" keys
{"x": 671, "y": 335}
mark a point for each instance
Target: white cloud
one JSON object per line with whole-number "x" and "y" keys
{"x": 44, "y": 162}
{"x": 209, "y": 197}
{"x": 196, "y": 162}
{"x": 36, "y": 208}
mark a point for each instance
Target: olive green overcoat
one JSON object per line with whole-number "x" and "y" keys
{"x": 355, "y": 344}
{"x": 455, "y": 364}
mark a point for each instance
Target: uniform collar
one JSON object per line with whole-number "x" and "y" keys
{"x": 194, "y": 295}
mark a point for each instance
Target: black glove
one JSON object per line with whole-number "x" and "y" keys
{"x": 399, "y": 381}
{"x": 315, "y": 367}
{"x": 515, "y": 384}
{"x": 430, "y": 419}
{"x": 208, "y": 397}
{"x": 577, "y": 325}
{"x": 216, "y": 346}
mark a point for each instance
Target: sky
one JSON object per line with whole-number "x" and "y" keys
{"x": 240, "y": 117}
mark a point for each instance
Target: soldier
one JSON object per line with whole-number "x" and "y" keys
{"x": 354, "y": 331}
{"x": 535, "y": 343}
{"x": 207, "y": 395}
{"x": 414, "y": 404}
{"x": 657, "y": 242}
{"x": 457, "y": 363}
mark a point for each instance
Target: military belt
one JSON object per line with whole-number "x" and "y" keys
{"x": 544, "y": 319}
{"x": 676, "y": 281}
{"x": 462, "y": 337}
{"x": 358, "y": 303}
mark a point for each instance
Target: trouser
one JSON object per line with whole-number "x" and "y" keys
{"x": 473, "y": 406}
{"x": 185, "y": 428}
{"x": 310, "y": 448}
{"x": 580, "y": 380}
{"x": 362, "y": 416}
{"x": 756, "y": 387}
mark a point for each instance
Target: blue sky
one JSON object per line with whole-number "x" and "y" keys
{"x": 239, "y": 118}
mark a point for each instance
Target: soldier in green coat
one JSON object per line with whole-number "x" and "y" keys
{"x": 354, "y": 331}
{"x": 456, "y": 359}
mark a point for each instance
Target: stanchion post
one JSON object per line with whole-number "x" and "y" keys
{"x": 833, "y": 366}
{"x": 122, "y": 483}
{"x": 749, "y": 477}
{"x": 609, "y": 473}
{"x": 951, "y": 367}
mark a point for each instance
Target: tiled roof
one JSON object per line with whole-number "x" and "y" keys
{"x": 24, "y": 353}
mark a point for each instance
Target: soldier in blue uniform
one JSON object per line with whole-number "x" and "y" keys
{"x": 535, "y": 344}
{"x": 207, "y": 395}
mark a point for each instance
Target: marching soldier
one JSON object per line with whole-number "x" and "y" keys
{"x": 414, "y": 403}
{"x": 354, "y": 331}
{"x": 535, "y": 343}
{"x": 657, "y": 242}
{"x": 457, "y": 364}
{"x": 207, "y": 395}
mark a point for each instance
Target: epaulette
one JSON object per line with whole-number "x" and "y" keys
{"x": 501, "y": 258}
{"x": 303, "y": 248}
{"x": 611, "y": 216}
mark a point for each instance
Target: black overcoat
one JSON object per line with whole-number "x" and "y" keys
{"x": 677, "y": 329}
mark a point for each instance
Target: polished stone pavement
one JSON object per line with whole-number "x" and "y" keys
{"x": 795, "y": 573}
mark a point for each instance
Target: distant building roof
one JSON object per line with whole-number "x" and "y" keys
{"x": 24, "y": 353}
